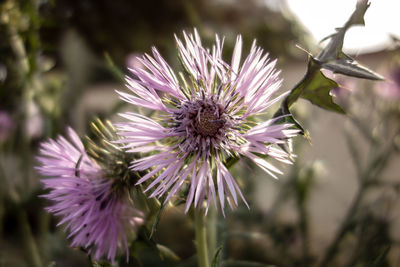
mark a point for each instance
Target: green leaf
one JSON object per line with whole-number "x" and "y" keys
{"x": 332, "y": 56}
{"x": 216, "y": 256}
{"x": 317, "y": 91}
{"x": 350, "y": 67}
{"x": 118, "y": 73}
{"x": 167, "y": 253}
{"x": 316, "y": 88}
{"x": 287, "y": 117}
{"x": 334, "y": 48}
{"x": 157, "y": 218}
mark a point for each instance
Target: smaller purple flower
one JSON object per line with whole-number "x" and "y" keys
{"x": 98, "y": 217}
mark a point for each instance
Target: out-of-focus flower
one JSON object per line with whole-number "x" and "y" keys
{"x": 208, "y": 116}
{"x": 390, "y": 89}
{"x": 98, "y": 217}
{"x": 7, "y": 125}
{"x": 34, "y": 121}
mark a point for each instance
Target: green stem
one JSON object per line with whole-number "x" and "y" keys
{"x": 43, "y": 232}
{"x": 28, "y": 239}
{"x": 201, "y": 238}
{"x": 212, "y": 230}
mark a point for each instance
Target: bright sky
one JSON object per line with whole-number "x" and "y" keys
{"x": 321, "y": 17}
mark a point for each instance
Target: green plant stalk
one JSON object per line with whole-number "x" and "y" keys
{"x": 28, "y": 240}
{"x": 212, "y": 230}
{"x": 43, "y": 232}
{"x": 201, "y": 238}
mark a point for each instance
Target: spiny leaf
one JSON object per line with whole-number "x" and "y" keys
{"x": 351, "y": 67}
{"x": 332, "y": 56}
{"x": 316, "y": 88}
{"x": 318, "y": 92}
{"x": 335, "y": 45}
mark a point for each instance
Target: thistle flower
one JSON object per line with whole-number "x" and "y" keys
{"x": 207, "y": 117}
{"x": 99, "y": 217}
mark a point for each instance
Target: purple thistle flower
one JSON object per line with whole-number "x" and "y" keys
{"x": 97, "y": 217}
{"x": 208, "y": 116}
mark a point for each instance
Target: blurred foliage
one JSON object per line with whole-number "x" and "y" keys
{"x": 120, "y": 26}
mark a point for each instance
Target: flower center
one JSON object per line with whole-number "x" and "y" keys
{"x": 209, "y": 123}
{"x": 201, "y": 123}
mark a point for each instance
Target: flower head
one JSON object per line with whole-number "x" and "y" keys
{"x": 207, "y": 117}
{"x": 98, "y": 217}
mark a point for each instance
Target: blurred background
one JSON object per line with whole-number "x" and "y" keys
{"x": 338, "y": 205}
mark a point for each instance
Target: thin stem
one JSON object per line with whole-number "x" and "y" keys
{"x": 201, "y": 238}
{"x": 212, "y": 230}
{"x": 28, "y": 239}
{"x": 44, "y": 227}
